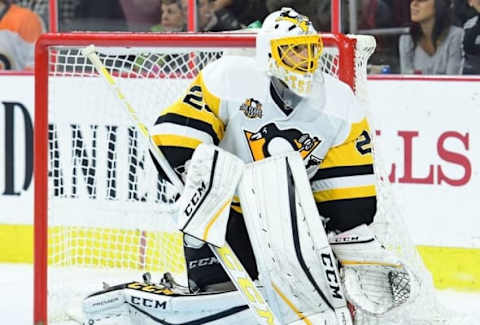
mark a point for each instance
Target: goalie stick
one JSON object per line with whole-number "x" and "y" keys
{"x": 225, "y": 254}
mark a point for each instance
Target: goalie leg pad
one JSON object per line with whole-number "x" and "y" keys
{"x": 296, "y": 264}
{"x": 212, "y": 177}
{"x": 138, "y": 303}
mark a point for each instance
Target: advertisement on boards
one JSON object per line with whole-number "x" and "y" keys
{"x": 426, "y": 133}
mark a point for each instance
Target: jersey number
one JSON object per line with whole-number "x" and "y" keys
{"x": 194, "y": 98}
{"x": 364, "y": 143}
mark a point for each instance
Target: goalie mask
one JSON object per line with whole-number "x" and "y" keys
{"x": 288, "y": 48}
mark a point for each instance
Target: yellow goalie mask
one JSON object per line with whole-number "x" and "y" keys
{"x": 288, "y": 48}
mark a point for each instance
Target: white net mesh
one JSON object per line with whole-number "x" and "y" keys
{"x": 108, "y": 214}
{"x": 391, "y": 230}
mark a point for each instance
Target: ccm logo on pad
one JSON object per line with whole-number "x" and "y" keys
{"x": 195, "y": 200}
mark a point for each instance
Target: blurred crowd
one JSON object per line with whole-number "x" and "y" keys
{"x": 413, "y": 36}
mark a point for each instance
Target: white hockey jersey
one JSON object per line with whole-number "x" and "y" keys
{"x": 232, "y": 104}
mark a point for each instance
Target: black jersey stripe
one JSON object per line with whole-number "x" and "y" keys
{"x": 189, "y": 122}
{"x": 345, "y": 214}
{"x": 331, "y": 172}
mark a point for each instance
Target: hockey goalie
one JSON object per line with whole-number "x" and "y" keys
{"x": 277, "y": 161}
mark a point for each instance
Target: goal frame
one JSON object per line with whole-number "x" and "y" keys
{"x": 346, "y": 60}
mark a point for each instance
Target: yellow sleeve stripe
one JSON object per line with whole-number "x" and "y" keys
{"x": 347, "y": 153}
{"x": 345, "y": 193}
{"x": 210, "y": 99}
{"x": 175, "y": 141}
{"x": 356, "y": 129}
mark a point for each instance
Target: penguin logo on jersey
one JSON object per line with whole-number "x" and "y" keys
{"x": 270, "y": 140}
{"x": 252, "y": 108}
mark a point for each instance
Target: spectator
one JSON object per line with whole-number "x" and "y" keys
{"x": 462, "y": 11}
{"x": 174, "y": 17}
{"x": 246, "y": 11}
{"x": 376, "y": 14}
{"x": 94, "y": 15}
{"x": 433, "y": 45}
{"x": 19, "y": 30}
{"x": 141, "y": 14}
{"x": 210, "y": 20}
{"x": 471, "y": 41}
{"x": 401, "y": 13}
{"x": 66, "y": 11}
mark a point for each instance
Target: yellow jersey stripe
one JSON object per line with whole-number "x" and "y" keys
{"x": 345, "y": 193}
{"x": 210, "y": 99}
{"x": 351, "y": 152}
{"x": 214, "y": 129}
{"x": 175, "y": 141}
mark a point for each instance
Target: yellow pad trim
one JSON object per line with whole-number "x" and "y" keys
{"x": 215, "y": 217}
{"x": 347, "y": 262}
{"x": 299, "y": 314}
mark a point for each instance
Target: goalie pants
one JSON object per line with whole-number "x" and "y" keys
{"x": 202, "y": 266}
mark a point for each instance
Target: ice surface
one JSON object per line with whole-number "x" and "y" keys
{"x": 16, "y": 296}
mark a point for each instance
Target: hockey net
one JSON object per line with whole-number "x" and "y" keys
{"x": 101, "y": 212}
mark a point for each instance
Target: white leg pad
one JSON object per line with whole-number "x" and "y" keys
{"x": 142, "y": 304}
{"x": 296, "y": 264}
